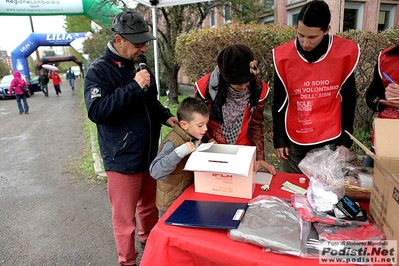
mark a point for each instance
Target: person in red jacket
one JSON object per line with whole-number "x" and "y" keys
{"x": 17, "y": 85}
{"x": 236, "y": 100}
{"x": 56, "y": 82}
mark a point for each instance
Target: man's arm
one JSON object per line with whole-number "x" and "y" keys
{"x": 348, "y": 93}
{"x": 375, "y": 92}
{"x": 280, "y": 139}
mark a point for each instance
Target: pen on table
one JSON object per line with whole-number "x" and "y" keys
{"x": 393, "y": 82}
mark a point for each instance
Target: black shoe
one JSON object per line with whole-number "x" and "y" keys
{"x": 26, "y": 112}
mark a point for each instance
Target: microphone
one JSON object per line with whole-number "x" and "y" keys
{"x": 142, "y": 62}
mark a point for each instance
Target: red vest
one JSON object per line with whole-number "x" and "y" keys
{"x": 313, "y": 113}
{"x": 389, "y": 64}
{"x": 201, "y": 86}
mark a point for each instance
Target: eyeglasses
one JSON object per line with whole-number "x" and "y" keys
{"x": 139, "y": 45}
{"x": 136, "y": 45}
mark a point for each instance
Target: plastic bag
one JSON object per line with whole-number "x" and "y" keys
{"x": 324, "y": 168}
{"x": 271, "y": 223}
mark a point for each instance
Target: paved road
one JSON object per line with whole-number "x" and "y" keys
{"x": 48, "y": 215}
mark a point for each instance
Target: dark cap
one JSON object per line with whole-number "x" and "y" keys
{"x": 132, "y": 26}
{"x": 236, "y": 64}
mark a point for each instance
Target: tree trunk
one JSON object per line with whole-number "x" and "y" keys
{"x": 173, "y": 86}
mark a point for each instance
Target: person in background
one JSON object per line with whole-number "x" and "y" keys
{"x": 382, "y": 96}
{"x": 17, "y": 85}
{"x": 314, "y": 89}
{"x": 236, "y": 100}
{"x": 122, "y": 101}
{"x": 44, "y": 80}
{"x": 56, "y": 81}
{"x": 70, "y": 76}
{"x": 182, "y": 140}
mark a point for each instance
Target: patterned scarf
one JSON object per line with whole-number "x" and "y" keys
{"x": 233, "y": 113}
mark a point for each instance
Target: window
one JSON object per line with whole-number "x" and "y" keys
{"x": 353, "y": 16}
{"x": 292, "y": 16}
{"x": 227, "y": 13}
{"x": 294, "y": 1}
{"x": 386, "y": 17}
{"x": 212, "y": 18}
{"x": 268, "y": 19}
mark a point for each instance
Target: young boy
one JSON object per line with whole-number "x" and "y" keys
{"x": 167, "y": 167}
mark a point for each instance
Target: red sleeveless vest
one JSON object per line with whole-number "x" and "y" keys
{"x": 313, "y": 113}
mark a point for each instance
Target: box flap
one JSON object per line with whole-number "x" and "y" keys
{"x": 386, "y": 137}
{"x": 222, "y": 158}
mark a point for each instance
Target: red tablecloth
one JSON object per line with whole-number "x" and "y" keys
{"x": 170, "y": 245}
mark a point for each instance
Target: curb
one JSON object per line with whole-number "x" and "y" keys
{"x": 98, "y": 165}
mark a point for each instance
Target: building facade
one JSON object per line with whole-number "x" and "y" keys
{"x": 371, "y": 15}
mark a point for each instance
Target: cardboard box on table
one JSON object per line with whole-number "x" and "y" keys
{"x": 225, "y": 170}
{"x": 384, "y": 199}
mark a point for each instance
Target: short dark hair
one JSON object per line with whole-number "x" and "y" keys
{"x": 189, "y": 106}
{"x": 315, "y": 14}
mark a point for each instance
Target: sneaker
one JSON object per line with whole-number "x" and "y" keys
{"x": 21, "y": 113}
{"x": 26, "y": 112}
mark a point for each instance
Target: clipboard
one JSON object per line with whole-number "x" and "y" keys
{"x": 208, "y": 214}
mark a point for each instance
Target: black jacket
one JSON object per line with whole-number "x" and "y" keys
{"x": 128, "y": 119}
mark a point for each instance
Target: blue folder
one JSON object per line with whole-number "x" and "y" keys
{"x": 208, "y": 214}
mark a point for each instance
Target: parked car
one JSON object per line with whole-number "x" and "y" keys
{"x": 33, "y": 85}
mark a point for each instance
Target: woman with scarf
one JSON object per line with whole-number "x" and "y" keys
{"x": 18, "y": 84}
{"x": 236, "y": 100}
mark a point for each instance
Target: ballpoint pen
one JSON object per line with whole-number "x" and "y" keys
{"x": 393, "y": 82}
{"x": 388, "y": 78}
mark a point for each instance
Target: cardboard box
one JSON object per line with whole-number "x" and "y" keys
{"x": 384, "y": 199}
{"x": 225, "y": 170}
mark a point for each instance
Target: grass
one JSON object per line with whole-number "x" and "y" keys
{"x": 173, "y": 109}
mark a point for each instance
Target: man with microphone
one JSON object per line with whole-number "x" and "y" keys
{"x": 128, "y": 123}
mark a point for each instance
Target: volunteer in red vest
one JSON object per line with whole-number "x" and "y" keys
{"x": 382, "y": 96}
{"x": 314, "y": 89}
{"x": 236, "y": 100}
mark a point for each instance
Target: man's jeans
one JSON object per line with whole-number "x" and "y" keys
{"x": 72, "y": 83}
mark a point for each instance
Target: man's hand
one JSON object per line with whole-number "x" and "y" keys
{"x": 172, "y": 120}
{"x": 283, "y": 153}
{"x": 391, "y": 92}
{"x": 143, "y": 78}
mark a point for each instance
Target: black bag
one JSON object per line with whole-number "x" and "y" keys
{"x": 26, "y": 91}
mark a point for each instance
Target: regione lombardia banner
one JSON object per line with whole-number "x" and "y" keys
{"x": 40, "y": 7}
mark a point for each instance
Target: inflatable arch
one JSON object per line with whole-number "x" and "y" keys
{"x": 56, "y": 59}
{"x": 26, "y": 48}
{"x": 96, "y": 10}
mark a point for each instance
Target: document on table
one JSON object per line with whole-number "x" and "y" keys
{"x": 208, "y": 214}
{"x": 263, "y": 178}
